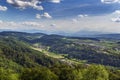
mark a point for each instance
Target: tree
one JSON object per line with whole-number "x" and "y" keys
{"x": 7, "y": 74}
{"x": 70, "y": 74}
{"x": 38, "y": 74}
{"x": 114, "y": 75}
{"x": 95, "y": 72}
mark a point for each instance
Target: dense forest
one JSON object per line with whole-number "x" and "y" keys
{"x": 23, "y": 57}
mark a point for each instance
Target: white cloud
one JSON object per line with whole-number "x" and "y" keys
{"x": 55, "y": 1}
{"x": 116, "y": 16}
{"x": 3, "y": 8}
{"x": 116, "y": 19}
{"x": 110, "y": 1}
{"x": 30, "y": 23}
{"x": 23, "y": 4}
{"x": 117, "y": 11}
{"x": 79, "y": 17}
{"x": 38, "y": 16}
{"x": 82, "y": 16}
{"x": 47, "y": 15}
{"x": 36, "y": 4}
{"x": 7, "y": 25}
{"x": 44, "y": 15}
{"x": 19, "y": 26}
{"x": 75, "y": 20}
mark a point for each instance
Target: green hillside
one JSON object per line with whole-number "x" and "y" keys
{"x": 27, "y": 56}
{"x": 18, "y": 52}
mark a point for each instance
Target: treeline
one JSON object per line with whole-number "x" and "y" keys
{"x": 91, "y": 72}
{"x": 16, "y": 53}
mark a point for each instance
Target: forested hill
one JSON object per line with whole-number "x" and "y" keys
{"x": 20, "y": 54}
{"x": 37, "y": 56}
{"x": 100, "y": 50}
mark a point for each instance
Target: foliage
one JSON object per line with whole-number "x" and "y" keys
{"x": 96, "y": 73}
{"x": 8, "y": 74}
{"x": 18, "y": 61}
{"x": 38, "y": 74}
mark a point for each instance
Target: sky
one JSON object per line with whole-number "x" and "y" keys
{"x": 60, "y": 16}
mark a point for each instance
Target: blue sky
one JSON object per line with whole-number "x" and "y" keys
{"x": 60, "y": 15}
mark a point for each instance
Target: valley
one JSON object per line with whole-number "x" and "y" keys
{"x": 23, "y": 54}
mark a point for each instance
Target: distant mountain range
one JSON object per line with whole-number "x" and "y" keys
{"x": 88, "y": 34}
{"x": 109, "y": 36}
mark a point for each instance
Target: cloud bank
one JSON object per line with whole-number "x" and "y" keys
{"x": 94, "y": 23}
